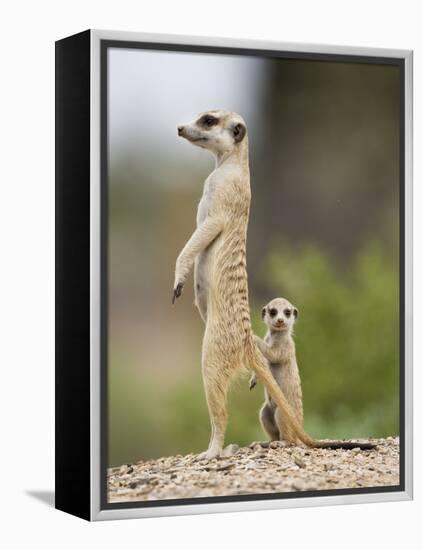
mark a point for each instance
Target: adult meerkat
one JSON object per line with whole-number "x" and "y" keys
{"x": 278, "y": 347}
{"x": 218, "y": 248}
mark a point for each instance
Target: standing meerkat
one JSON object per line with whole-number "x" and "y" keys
{"x": 218, "y": 249}
{"x": 278, "y": 347}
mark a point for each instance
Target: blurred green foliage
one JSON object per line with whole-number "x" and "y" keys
{"x": 347, "y": 339}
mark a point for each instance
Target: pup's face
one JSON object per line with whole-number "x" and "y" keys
{"x": 218, "y": 131}
{"x": 279, "y": 315}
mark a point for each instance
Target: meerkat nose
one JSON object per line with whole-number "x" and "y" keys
{"x": 180, "y": 130}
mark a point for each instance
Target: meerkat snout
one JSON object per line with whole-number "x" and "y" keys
{"x": 180, "y": 130}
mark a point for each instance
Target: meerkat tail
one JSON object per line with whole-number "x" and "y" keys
{"x": 259, "y": 364}
{"x": 343, "y": 445}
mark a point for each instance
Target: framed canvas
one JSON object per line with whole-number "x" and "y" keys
{"x": 198, "y": 370}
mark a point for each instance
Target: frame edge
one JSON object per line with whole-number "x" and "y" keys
{"x": 407, "y": 494}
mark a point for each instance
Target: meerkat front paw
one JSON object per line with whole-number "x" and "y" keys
{"x": 253, "y": 381}
{"x": 259, "y": 342}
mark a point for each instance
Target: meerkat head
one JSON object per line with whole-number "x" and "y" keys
{"x": 279, "y": 315}
{"x": 218, "y": 131}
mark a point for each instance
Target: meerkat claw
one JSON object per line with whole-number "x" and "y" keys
{"x": 177, "y": 292}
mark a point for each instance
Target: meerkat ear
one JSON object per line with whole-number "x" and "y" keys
{"x": 295, "y": 312}
{"x": 239, "y": 131}
{"x": 263, "y": 312}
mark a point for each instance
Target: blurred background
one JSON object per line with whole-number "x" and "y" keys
{"x": 324, "y": 233}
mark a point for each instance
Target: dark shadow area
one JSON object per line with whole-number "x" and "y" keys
{"x": 46, "y": 497}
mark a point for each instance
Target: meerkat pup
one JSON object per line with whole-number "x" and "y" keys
{"x": 278, "y": 347}
{"x": 218, "y": 249}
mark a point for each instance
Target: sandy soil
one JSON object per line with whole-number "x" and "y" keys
{"x": 260, "y": 468}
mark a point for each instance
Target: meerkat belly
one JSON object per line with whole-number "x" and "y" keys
{"x": 202, "y": 274}
{"x": 276, "y": 370}
{"x": 288, "y": 379}
{"x": 204, "y": 261}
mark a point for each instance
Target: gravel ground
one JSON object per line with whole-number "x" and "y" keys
{"x": 260, "y": 468}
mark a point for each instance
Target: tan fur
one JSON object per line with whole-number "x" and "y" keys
{"x": 278, "y": 347}
{"x": 218, "y": 248}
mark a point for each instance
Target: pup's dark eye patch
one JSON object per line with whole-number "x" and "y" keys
{"x": 273, "y": 312}
{"x": 207, "y": 121}
{"x": 287, "y": 312}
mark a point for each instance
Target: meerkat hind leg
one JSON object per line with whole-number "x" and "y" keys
{"x": 284, "y": 433}
{"x": 267, "y": 420}
{"x": 216, "y": 381}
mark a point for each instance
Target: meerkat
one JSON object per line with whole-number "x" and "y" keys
{"x": 218, "y": 249}
{"x": 278, "y": 347}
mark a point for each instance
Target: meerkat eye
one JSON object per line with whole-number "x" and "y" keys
{"x": 287, "y": 312}
{"x": 273, "y": 312}
{"x": 209, "y": 121}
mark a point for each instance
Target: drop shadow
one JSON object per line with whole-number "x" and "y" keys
{"x": 46, "y": 497}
